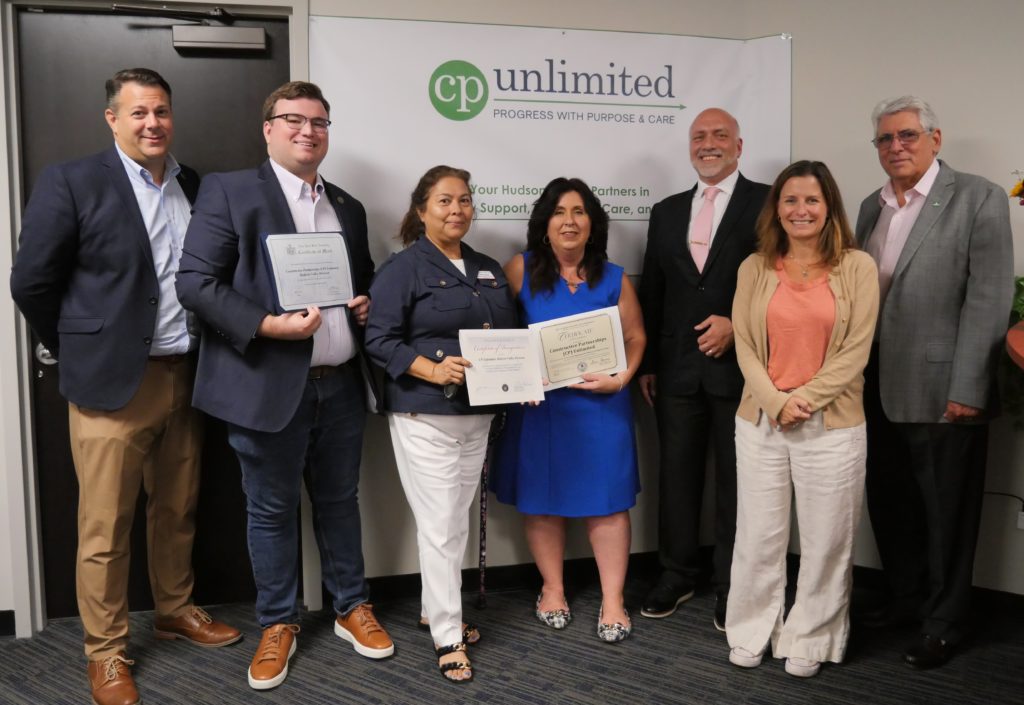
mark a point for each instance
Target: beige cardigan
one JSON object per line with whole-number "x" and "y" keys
{"x": 838, "y": 387}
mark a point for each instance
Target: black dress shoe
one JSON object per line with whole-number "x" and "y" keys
{"x": 665, "y": 597}
{"x": 927, "y": 652}
{"x": 721, "y": 604}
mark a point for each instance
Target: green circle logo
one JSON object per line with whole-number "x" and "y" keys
{"x": 458, "y": 90}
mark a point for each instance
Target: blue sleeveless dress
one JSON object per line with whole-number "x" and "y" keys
{"x": 574, "y": 455}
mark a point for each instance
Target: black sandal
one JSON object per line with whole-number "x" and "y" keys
{"x": 470, "y": 634}
{"x": 453, "y": 665}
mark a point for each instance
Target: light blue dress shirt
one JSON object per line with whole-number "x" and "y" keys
{"x": 165, "y": 212}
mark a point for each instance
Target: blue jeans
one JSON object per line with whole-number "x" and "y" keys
{"x": 323, "y": 444}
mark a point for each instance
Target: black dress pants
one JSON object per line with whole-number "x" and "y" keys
{"x": 925, "y": 484}
{"x": 687, "y": 426}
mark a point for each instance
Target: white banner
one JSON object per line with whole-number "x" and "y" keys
{"x": 518, "y": 106}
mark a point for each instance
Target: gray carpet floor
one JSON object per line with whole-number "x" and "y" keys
{"x": 681, "y": 659}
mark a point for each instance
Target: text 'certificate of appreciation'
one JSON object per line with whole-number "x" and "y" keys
{"x": 505, "y": 368}
{"x": 310, "y": 269}
{"x": 585, "y": 342}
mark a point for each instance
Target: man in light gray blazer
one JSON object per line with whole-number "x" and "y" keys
{"x": 944, "y": 249}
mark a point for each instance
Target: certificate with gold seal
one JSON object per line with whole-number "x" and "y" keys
{"x": 309, "y": 269}
{"x": 574, "y": 345}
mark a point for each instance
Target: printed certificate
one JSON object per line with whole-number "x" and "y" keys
{"x": 310, "y": 269}
{"x": 585, "y": 342}
{"x": 505, "y": 367}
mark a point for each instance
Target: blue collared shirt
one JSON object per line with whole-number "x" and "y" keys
{"x": 165, "y": 212}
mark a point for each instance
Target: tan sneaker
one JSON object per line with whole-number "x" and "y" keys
{"x": 111, "y": 682}
{"x": 361, "y": 629}
{"x": 269, "y": 665}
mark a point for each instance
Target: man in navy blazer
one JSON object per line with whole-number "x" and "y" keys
{"x": 944, "y": 249}
{"x": 94, "y": 277}
{"x": 289, "y": 385}
{"x": 689, "y": 372}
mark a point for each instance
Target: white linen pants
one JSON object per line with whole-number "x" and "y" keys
{"x": 824, "y": 469}
{"x": 439, "y": 459}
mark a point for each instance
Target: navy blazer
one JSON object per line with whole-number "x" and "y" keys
{"x": 420, "y": 301}
{"x": 675, "y": 297}
{"x": 84, "y": 277}
{"x": 224, "y": 277}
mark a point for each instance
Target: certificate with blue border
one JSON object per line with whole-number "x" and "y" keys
{"x": 309, "y": 269}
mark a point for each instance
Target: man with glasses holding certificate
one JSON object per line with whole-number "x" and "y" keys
{"x": 942, "y": 242}
{"x": 281, "y": 363}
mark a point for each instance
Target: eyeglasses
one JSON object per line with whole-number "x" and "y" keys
{"x": 297, "y": 122}
{"x": 906, "y": 138}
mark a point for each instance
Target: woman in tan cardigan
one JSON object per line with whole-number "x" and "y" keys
{"x": 804, "y": 316}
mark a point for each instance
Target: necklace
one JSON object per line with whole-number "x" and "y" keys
{"x": 805, "y": 269}
{"x": 573, "y": 286}
{"x": 573, "y": 278}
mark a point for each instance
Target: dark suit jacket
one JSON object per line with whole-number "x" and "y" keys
{"x": 223, "y": 276}
{"x": 84, "y": 277}
{"x": 420, "y": 301}
{"x": 944, "y": 319}
{"x": 675, "y": 296}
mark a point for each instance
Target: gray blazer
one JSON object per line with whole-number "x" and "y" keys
{"x": 945, "y": 317}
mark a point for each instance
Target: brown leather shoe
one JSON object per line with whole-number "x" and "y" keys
{"x": 196, "y": 626}
{"x": 361, "y": 629}
{"x": 111, "y": 682}
{"x": 269, "y": 665}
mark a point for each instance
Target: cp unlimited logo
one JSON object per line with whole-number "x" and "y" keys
{"x": 458, "y": 90}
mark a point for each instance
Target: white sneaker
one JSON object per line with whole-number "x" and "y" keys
{"x": 802, "y": 667}
{"x": 739, "y": 656}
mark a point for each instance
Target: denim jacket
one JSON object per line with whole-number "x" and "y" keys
{"x": 420, "y": 301}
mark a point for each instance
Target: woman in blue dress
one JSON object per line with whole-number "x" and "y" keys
{"x": 574, "y": 454}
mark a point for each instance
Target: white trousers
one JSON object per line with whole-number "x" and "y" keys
{"x": 824, "y": 469}
{"x": 439, "y": 459}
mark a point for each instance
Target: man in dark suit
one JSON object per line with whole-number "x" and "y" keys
{"x": 696, "y": 241}
{"x": 289, "y": 385}
{"x": 94, "y": 277}
{"x": 942, "y": 242}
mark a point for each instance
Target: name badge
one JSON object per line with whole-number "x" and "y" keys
{"x": 484, "y": 274}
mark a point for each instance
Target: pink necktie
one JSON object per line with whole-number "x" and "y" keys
{"x": 700, "y": 231}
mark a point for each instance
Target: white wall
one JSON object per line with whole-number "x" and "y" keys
{"x": 847, "y": 55}
{"x": 963, "y": 57}
{"x": 20, "y": 586}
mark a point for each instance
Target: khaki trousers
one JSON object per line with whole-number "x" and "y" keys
{"x": 154, "y": 441}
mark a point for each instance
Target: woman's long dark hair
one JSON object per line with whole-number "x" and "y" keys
{"x": 542, "y": 266}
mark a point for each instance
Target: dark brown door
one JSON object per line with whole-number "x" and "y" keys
{"x": 63, "y": 60}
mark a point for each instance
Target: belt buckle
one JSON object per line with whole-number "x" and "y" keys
{"x": 321, "y": 371}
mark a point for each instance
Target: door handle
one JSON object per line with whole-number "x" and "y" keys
{"x": 44, "y": 356}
